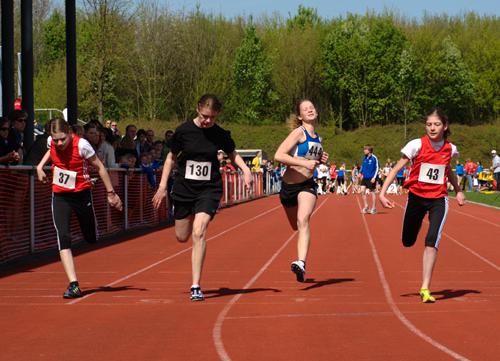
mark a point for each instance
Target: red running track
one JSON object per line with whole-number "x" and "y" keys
{"x": 360, "y": 300}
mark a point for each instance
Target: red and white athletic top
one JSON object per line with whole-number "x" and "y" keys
{"x": 70, "y": 166}
{"x": 430, "y": 164}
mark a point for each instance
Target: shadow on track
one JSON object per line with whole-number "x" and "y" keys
{"x": 445, "y": 294}
{"x": 331, "y": 281}
{"x": 112, "y": 289}
{"x": 223, "y": 291}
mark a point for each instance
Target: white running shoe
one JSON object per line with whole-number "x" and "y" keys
{"x": 299, "y": 268}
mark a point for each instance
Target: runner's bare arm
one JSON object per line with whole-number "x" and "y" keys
{"x": 167, "y": 168}
{"x": 247, "y": 174}
{"x": 113, "y": 198}
{"x": 42, "y": 177}
{"x": 388, "y": 181}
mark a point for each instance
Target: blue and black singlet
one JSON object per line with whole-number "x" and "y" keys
{"x": 311, "y": 148}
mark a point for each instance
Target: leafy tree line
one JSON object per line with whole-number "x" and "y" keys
{"x": 142, "y": 60}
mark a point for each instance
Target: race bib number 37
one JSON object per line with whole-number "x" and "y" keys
{"x": 198, "y": 170}
{"x": 432, "y": 173}
{"x": 64, "y": 178}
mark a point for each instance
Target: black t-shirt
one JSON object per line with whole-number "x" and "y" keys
{"x": 198, "y": 167}
{"x": 7, "y": 146}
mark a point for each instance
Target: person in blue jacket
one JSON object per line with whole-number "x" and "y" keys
{"x": 460, "y": 172}
{"x": 369, "y": 171}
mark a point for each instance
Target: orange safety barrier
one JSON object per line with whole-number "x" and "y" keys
{"x": 26, "y": 224}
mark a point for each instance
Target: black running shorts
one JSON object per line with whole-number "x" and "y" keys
{"x": 202, "y": 205}
{"x": 368, "y": 184}
{"x": 416, "y": 209}
{"x": 290, "y": 192}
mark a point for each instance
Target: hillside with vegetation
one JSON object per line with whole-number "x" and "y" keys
{"x": 475, "y": 142}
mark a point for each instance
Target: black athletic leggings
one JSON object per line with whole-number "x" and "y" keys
{"x": 416, "y": 209}
{"x": 62, "y": 206}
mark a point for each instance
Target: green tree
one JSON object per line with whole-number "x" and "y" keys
{"x": 306, "y": 18}
{"x": 53, "y": 38}
{"x": 104, "y": 35}
{"x": 408, "y": 82}
{"x": 253, "y": 89}
{"x": 450, "y": 82}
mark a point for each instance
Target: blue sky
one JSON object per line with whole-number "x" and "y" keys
{"x": 334, "y": 8}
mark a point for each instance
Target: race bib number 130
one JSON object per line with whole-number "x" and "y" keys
{"x": 432, "y": 173}
{"x": 198, "y": 170}
{"x": 64, "y": 178}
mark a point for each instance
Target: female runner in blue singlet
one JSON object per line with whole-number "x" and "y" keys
{"x": 301, "y": 152}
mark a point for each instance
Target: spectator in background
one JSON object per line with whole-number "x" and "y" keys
{"x": 127, "y": 144}
{"x": 150, "y": 137}
{"x": 341, "y": 186}
{"x": 333, "y": 174}
{"x": 141, "y": 145}
{"x": 167, "y": 143}
{"x": 369, "y": 171}
{"x": 495, "y": 167}
{"x": 78, "y": 130}
{"x": 39, "y": 147}
{"x": 130, "y": 133}
{"x": 479, "y": 167}
{"x": 148, "y": 168}
{"x": 16, "y": 133}
{"x": 157, "y": 152}
{"x": 114, "y": 128}
{"x": 355, "y": 179}
{"x": 8, "y": 150}
{"x": 387, "y": 168}
{"x": 400, "y": 177}
{"x": 127, "y": 160}
{"x": 105, "y": 150}
{"x": 256, "y": 161}
{"x": 470, "y": 170}
{"x": 460, "y": 172}
{"x": 91, "y": 134}
{"x": 38, "y": 128}
{"x": 107, "y": 124}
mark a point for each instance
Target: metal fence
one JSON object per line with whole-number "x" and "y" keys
{"x": 26, "y": 224}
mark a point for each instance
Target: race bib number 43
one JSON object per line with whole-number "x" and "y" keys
{"x": 64, "y": 178}
{"x": 198, "y": 170}
{"x": 432, "y": 173}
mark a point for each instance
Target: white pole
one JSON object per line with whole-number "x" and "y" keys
{"x": 19, "y": 76}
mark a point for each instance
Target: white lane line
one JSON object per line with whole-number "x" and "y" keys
{"x": 142, "y": 270}
{"x": 392, "y": 304}
{"x": 484, "y": 259}
{"x": 347, "y": 314}
{"x": 217, "y": 330}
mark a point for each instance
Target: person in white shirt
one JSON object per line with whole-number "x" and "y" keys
{"x": 495, "y": 167}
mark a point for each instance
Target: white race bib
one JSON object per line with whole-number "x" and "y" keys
{"x": 64, "y": 178}
{"x": 198, "y": 170}
{"x": 314, "y": 151}
{"x": 432, "y": 173}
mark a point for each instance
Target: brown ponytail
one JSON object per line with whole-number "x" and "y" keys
{"x": 293, "y": 120}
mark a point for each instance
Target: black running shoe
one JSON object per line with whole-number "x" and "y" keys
{"x": 299, "y": 270}
{"x": 196, "y": 294}
{"x": 73, "y": 291}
